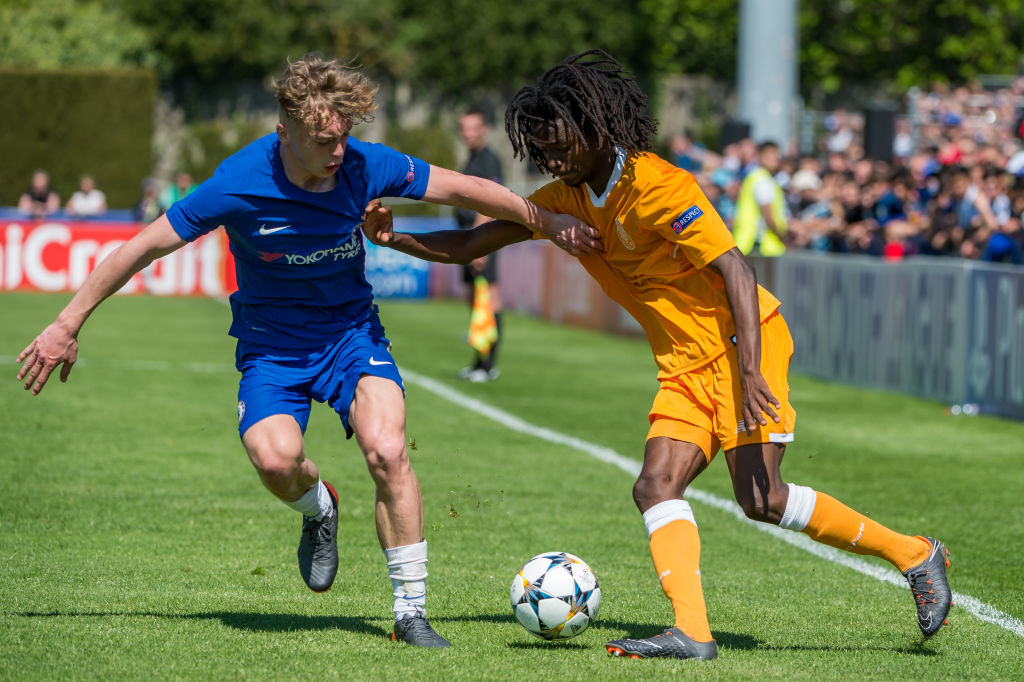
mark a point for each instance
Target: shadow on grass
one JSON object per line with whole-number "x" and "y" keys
{"x": 546, "y": 646}
{"x": 251, "y": 622}
{"x": 288, "y": 622}
{"x": 916, "y": 649}
{"x": 726, "y": 640}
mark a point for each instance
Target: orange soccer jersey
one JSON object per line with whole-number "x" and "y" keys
{"x": 659, "y": 231}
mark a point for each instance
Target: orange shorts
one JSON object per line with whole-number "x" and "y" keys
{"x": 705, "y": 406}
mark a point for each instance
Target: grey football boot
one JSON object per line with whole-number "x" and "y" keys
{"x": 930, "y": 589}
{"x": 416, "y": 630}
{"x": 318, "y": 548}
{"x": 673, "y": 643}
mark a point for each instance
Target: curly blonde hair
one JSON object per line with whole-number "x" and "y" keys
{"x": 312, "y": 90}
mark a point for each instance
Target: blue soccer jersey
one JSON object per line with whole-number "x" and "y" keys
{"x": 299, "y": 255}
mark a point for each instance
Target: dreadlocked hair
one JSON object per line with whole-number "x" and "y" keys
{"x": 589, "y": 91}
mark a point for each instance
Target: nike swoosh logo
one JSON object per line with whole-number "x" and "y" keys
{"x": 379, "y": 362}
{"x": 271, "y": 230}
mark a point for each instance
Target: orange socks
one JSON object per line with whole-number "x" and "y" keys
{"x": 833, "y": 523}
{"x": 675, "y": 548}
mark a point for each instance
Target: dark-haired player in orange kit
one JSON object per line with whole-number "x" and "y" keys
{"x": 721, "y": 345}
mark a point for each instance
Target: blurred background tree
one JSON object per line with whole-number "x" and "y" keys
{"x": 215, "y": 59}
{"x": 51, "y": 34}
{"x": 229, "y": 39}
{"x": 466, "y": 46}
{"x": 901, "y": 44}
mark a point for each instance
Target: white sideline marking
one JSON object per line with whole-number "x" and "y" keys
{"x": 976, "y": 608}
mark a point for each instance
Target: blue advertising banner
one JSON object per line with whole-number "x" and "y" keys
{"x": 396, "y": 275}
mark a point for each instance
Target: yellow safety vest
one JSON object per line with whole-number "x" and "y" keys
{"x": 748, "y": 226}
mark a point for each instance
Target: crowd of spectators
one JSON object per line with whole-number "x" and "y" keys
{"x": 954, "y": 185}
{"x": 41, "y": 200}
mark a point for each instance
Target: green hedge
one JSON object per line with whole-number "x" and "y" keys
{"x": 74, "y": 122}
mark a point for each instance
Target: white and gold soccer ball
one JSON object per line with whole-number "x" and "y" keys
{"x": 555, "y": 595}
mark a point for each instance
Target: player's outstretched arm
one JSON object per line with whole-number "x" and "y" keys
{"x": 57, "y": 345}
{"x": 741, "y": 289}
{"x": 446, "y": 246}
{"x": 491, "y": 199}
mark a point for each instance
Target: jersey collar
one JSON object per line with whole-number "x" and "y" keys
{"x": 620, "y": 163}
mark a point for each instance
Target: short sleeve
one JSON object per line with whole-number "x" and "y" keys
{"x": 677, "y": 209}
{"x": 202, "y": 211}
{"x": 394, "y": 174}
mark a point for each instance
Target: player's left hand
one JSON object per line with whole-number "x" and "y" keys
{"x": 378, "y": 225}
{"x": 573, "y": 236}
{"x": 758, "y": 401}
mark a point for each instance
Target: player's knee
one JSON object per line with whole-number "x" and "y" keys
{"x": 276, "y": 457}
{"x": 649, "y": 489}
{"x": 766, "y": 507}
{"x": 386, "y": 457}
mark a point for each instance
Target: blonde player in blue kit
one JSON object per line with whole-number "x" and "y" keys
{"x": 304, "y": 316}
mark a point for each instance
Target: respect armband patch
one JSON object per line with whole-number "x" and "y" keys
{"x": 685, "y": 218}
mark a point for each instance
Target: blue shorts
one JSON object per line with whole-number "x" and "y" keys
{"x": 279, "y": 381}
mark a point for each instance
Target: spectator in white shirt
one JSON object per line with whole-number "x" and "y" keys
{"x": 88, "y": 201}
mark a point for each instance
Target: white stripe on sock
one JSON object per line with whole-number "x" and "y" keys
{"x": 309, "y": 503}
{"x": 799, "y": 507}
{"x": 666, "y": 512}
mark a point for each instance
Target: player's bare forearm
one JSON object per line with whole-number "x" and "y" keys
{"x": 154, "y": 241}
{"x": 492, "y": 199}
{"x": 741, "y": 290}
{"x": 481, "y": 195}
{"x": 459, "y": 246}
{"x": 57, "y": 345}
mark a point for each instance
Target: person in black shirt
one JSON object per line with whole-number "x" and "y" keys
{"x": 482, "y": 163}
{"x": 40, "y": 199}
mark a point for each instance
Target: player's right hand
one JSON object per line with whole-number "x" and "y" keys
{"x": 758, "y": 401}
{"x": 378, "y": 225}
{"x": 55, "y": 346}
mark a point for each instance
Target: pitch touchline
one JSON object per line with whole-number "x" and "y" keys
{"x": 976, "y": 608}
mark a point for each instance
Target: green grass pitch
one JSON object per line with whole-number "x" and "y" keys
{"x": 136, "y": 541}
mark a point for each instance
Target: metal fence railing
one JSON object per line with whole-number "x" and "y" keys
{"x": 946, "y": 330}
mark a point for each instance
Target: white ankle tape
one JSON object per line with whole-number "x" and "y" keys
{"x": 799, "y": 507}
{"x": 407, "y": 568}
{"x": 666, "y": 512}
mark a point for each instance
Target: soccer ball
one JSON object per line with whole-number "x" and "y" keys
{"x": 555, "y": 595}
